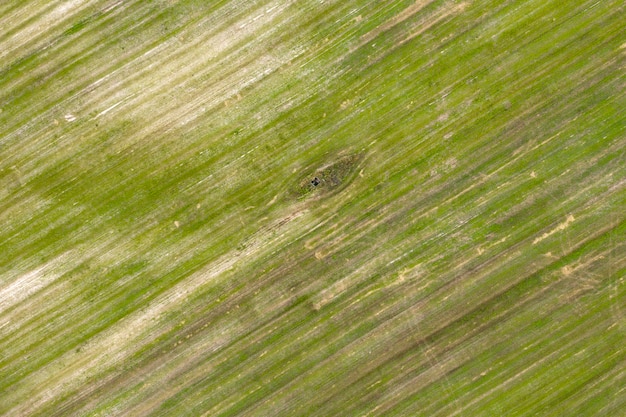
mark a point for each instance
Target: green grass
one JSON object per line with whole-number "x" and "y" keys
{"x": 163, "y": 251}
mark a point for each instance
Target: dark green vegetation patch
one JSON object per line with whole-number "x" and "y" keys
{"x": 333, "y": 176}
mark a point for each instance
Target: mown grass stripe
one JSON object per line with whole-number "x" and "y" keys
{"x": 470, "y": 256}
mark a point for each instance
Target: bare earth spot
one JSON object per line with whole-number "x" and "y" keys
{"x": 570, "y": 219}
{"x": 410, "y": 274}
{"x": 451, "y": 163}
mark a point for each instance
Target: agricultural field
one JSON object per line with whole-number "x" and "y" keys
{"x": 312, "y": 208}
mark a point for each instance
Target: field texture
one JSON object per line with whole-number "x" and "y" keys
{"x": 164, "y": 251}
